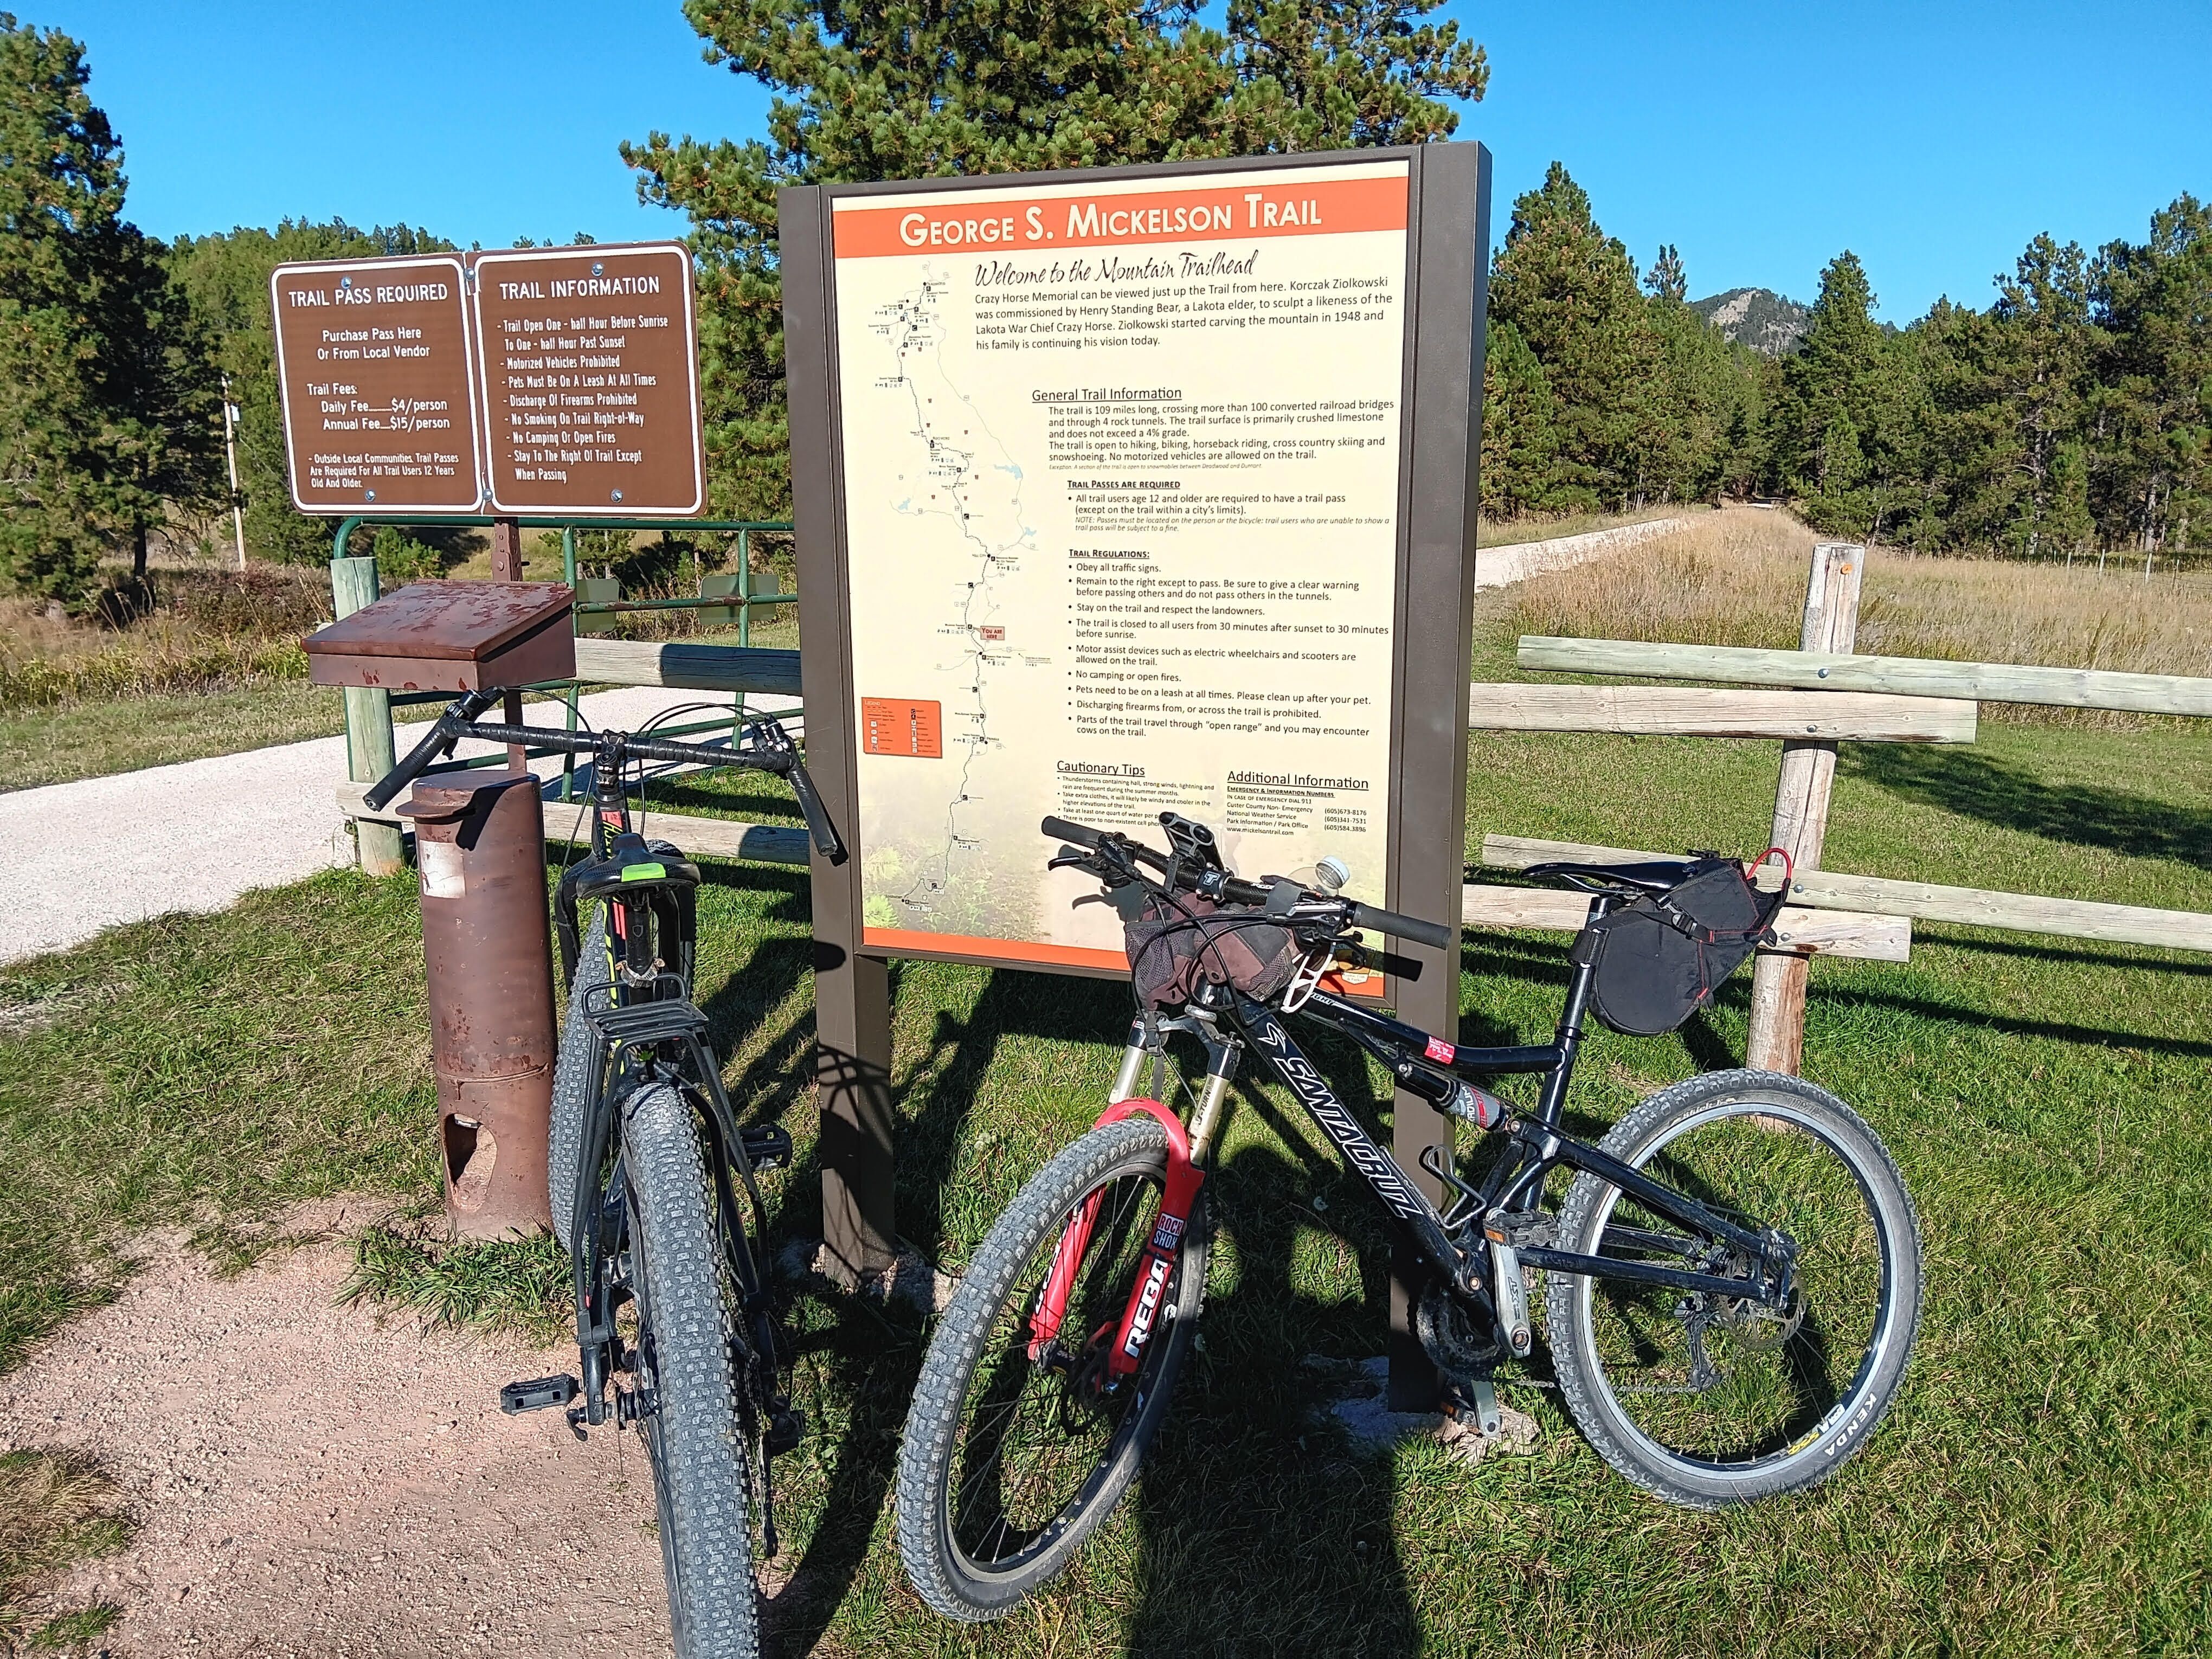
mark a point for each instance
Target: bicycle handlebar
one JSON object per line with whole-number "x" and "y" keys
{"x": 459, "y": 721}
{"x": 1237, "y": 891}
{"x": 438, "y": 740}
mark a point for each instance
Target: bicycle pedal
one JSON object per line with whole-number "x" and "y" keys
{"x": 768, "y": 1146}
{"x": 786, "y": 1427}
{"x": 540, "y": 1394}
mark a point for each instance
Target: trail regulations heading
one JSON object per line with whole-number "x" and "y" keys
{"x": 557, "y": 381}
{"x": 380, "y": 396}
{"x": 1121, "y": 474}
{"x": 591, "y": 390}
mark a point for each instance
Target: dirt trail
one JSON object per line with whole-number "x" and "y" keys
{"x": 307, "y": 1484}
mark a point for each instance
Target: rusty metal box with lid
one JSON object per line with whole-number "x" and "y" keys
{"x": 451, "y": 636}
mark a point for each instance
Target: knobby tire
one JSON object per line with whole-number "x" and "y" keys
{"x": 940, "y": 1572}
{"x": 689, "y": 1409}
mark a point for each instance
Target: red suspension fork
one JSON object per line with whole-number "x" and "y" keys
{"x": 1158, "y": 1265}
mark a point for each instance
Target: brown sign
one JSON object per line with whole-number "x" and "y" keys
{"x": 590, "y": 381}
{"x": 379, "y": 390}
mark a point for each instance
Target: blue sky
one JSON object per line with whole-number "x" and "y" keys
{"x": 1933, "y": 138}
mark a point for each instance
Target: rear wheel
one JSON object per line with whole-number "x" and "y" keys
{"x": 1010, "y": 1461}
{"x": 686, "y": 1405}
{"x": 1706, "y": 1399}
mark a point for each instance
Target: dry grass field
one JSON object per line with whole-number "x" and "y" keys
{"x": 1737, "y": 578}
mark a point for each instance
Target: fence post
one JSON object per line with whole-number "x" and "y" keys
{"x": 1801, "y": 812}
{"x": 369, "y": 752}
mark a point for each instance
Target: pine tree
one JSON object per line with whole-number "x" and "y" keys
{"x": 2152, "y": 457}
{"x": 1665, "y": 280}
{"x": 1571, "y": 293}
{"x": 107, "y": 408}
{"x": 1007, "y": 85}
{"x": 1519, "y": 438}
{"x": 1849, "y": 430}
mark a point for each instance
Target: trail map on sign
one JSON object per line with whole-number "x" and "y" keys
{"x": 967, "y": 488}
{"x": 1121, "y": 480}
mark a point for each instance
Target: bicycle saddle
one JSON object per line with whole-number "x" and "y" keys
{"x": 1654, "y": 876}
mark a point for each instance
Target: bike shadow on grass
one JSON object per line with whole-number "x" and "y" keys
{"x": 860, "y": 1357}
{"x": 1261, "y": 1527}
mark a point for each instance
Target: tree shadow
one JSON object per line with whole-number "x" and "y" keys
{"x": 1978, "y": 786}
{"x": 1262, "y": 1532}
{"x": 936, "y": 1094}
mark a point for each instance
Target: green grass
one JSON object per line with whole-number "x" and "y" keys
{"x": 53, "y": 1510}
{"x": 405, "y": 1263}
{"x": 2044, "y": 1484}
{"x": 93, "y": 739}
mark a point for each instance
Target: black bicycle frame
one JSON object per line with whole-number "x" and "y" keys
{"x": 1505, "y": 1209}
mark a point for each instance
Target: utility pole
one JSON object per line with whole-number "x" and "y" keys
{"x": 230, "y": 454}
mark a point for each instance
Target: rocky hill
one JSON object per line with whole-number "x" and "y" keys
{"x": 1756, "y": 317}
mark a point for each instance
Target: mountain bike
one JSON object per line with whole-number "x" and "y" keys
{"x": 1731, "y": 1281}
{"x": 646, "y": 1163}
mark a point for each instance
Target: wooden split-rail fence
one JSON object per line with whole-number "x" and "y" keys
{"x": 1810, "y": 699}
{"x": 1813, "y": 699}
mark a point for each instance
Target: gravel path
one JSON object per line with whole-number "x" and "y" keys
{"x": 1496, "y": 567}
{"x": 306, "y": 1481}
{"x": 197, "y": 836}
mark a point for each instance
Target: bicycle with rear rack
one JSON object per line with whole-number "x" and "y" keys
{"x": 647, "y": 1164}
{"x": 1731, "y": 1281}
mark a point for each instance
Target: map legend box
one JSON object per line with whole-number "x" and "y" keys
{"x": 900, "y": 725}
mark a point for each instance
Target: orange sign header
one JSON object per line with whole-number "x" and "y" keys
{"x": 1247, "y": 207}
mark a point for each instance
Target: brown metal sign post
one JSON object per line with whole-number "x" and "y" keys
{"x": 1116, "y": 491}
{"x": 591, "y": 381}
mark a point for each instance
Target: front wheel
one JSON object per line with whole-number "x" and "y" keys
{"x": 1015, "y": 1450}
{"x": 687, "y": 1407}
{"x": 1705, "y": 1400}
{"x": 576, "y": 1075}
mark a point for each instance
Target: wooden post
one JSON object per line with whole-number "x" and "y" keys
{"x": 1801, "y": 812}
{"x": 506, "y": 567}
{"x": 369, "y": 752}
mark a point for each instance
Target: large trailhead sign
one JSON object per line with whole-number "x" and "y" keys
{"x": 556, "y": 382}
{"x": 1124, "y": 472}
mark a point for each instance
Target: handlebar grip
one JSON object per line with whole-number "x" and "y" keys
{"x": 817, "y": 820}
{"x": 1410, "y": 927}
{"x": 1077, "y": 833}
{"x": 408, "y": 770}
{"x": 441, "y": 740}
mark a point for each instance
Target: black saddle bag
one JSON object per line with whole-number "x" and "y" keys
{"x": 1659, "y": 958}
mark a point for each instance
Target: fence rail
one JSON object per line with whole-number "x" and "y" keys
{"x": 1697, "y": 712}
{"x": 1830, "y": 891}
{"x": 1915, "y": 677}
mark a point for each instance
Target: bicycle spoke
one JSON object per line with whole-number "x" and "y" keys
{"x": 1033, "y": 1430}
{"x": 1723, "y": 1379}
